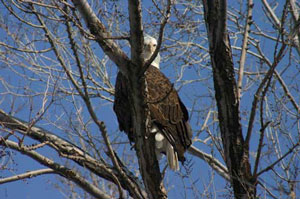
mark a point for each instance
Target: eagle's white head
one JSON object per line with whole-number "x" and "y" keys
{"x": 149, "y": 47}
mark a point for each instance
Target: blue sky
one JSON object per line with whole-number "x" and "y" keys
{"x": 198, "y": 179}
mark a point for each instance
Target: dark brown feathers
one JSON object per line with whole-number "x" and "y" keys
{"x": 167, "y": 111}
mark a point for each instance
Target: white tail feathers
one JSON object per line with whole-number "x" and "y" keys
{"x": 163, "y": 146}
{"x": 159, "y": 140}
{"x": 172, "y": 157}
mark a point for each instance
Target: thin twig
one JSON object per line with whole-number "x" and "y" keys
{"x": 260, "y": 146}
{"x": 257, "y": 97}
{"x": 279, "y": 159}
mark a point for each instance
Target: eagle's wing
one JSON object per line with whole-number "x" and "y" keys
{"x": 121, "y": 106}
{"x": 168, "y": 113}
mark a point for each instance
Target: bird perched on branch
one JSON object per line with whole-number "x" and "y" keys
{"x": 169, "y": 116}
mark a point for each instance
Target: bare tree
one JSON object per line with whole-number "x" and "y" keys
{"x": 236, "y": 67}
{"x": 235, "y": 146}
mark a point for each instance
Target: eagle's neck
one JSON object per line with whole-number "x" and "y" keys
{"x": 155, "y": 63}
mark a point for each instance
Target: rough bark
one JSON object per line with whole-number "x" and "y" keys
{"x": 148, "y": 163}
{"x": 131, "y": 68}
{"x": 236, "y": 158}
{"x": 145, "y": 143}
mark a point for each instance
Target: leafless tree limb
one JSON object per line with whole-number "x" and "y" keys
{"x": 278, "y": 24}
{"x": 257, "y": 98}
{"x": 278, "y": 160}
{"x": 100, "y": 124}
{"x": 99, "y": 31}
{"x": 281, "y": 81}
{"x": 29, "y": 174}
{"x": 248, "y": 22}
{"x": 214, "y": 163}
{"x": 70, "y": 151}
{"x": 60, "y": 169}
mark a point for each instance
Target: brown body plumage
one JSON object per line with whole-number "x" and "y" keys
{"x": 169, "y": 116}
{"x": 167, "y": 111}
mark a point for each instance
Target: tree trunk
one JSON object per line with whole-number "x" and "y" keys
{"x": 131, "y": 68}
{"x": 236, "y": 155}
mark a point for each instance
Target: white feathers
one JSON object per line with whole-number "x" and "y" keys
{"x": 153, "y": 130}
{"x": 148, "y": 39}
{"x": 156, "y": 61}
{"x": 159, "y": 140}
{"x": 172, "y": 157}
{"x": 150, "y": 45}
{"x": 163, "y": 146}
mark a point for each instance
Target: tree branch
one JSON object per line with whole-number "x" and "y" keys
{"x": 293, "y": 37}
{"x": 101, "y": 125}
{"x": 277, "y": 161}
{"x": 257, "y": 98}
{"x": 144, "y": 145}
{"x": 70, "y": 151}
{"x": 110, "y": 48}
{"x": 60, "y": 169}
{"x": 165, "y": 20}
{"x": 29, "y": 174}
{"x": 136, "y": 32}
{"x": 281, "y": 81}
{"x": 144, "y": 142}
{"x": 213, "y": 163}
{"x": 272, "y": 14}
{"x": 244, "y": 47}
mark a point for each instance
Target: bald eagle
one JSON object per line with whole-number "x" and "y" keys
{"x": 169, "y": 116}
